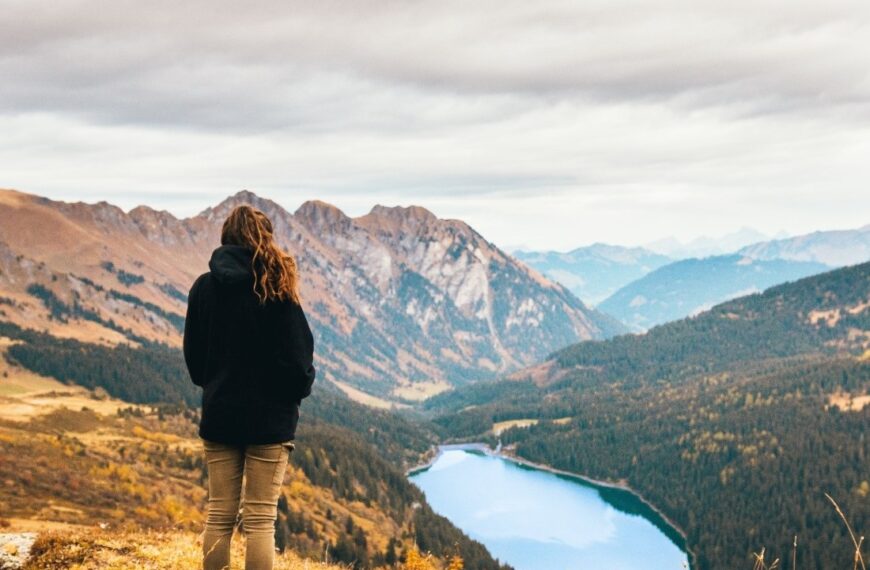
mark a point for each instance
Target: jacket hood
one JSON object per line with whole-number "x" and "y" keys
{"x": 232, "y": 264}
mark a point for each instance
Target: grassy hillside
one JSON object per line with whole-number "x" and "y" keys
{"x": 142, "y": 469}
{"x": 735, "y": 423}
{"x": 78, "y": 458}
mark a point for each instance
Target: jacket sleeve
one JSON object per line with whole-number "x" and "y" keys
{"x": 296, "y": 350}
{"x": 194, "y": 335}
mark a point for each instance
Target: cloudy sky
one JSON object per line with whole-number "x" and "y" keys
{"x": 544, "y": 124}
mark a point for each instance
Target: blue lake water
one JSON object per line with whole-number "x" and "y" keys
{"x": 538, "y": 520}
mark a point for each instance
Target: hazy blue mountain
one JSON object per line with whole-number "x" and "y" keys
{"x": 705, "y": 246}
{"x": 689, "y": 286}
{"x": 594, "y": 272}
{"x": 835, "y": 248}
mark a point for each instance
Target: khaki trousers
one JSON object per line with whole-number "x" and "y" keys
{"x": 262, "y": 467}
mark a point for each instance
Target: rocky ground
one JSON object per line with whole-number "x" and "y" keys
{"x": 15, "y": 549}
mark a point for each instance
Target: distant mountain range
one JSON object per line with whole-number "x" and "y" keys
{"x": 594, "y": 272}
{"x": 644, "y": 288}
{"x": 705, "y": 246}
{"x": 687, "y": 287}
{"x": 835, "y": 248}
{"x": 403, "y": 304}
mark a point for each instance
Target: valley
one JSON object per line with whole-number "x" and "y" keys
{"x": 724, "y": 421}
{"x": 732, "y": 423}
{"x": 542, "y": 285}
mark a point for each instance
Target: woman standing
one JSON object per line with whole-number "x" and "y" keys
{"x": 248, "y": 344}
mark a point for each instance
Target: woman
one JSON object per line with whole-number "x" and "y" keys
{"x": 248, "y": 344}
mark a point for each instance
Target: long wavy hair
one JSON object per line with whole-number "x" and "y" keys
{"x": 275, "y": 274}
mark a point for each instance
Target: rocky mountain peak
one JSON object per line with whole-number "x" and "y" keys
{"x": 319, "y": 214}
{"x": 409, "y": 219}
{"x": 101, "y": 212}
{"x": 240, "y": 198}
{"x": 143, "y": 213}
{"x": 158, "y": 226}
{"x": 412, "y": 212}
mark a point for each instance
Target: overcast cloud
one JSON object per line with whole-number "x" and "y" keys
{"x": 544, "y": 124}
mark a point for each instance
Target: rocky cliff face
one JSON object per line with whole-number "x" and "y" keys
{"x": 403, "y": 304}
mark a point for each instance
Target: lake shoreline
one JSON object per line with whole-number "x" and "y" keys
{"x": 498, "y": 452}
{"x": 436, "y": 451}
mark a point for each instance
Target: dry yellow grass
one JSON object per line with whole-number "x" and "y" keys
{"x": 39, "y": 526}
{"x": 17, "y": 381}
{"x": 25, "y": 408}
{"x": 146, "y": 551}
{"x": 499, "y": 427}
{"x": 94, "y": 333}
{"x": 25, "y": 394}
{"x": 832, "y": 316}
{"x": 365, "y": 398}
{"x": 848, "y": 402}
{"x": 419, "y": 391}
{"x": 93, "y": 549}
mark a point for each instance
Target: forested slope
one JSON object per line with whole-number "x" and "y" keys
{"x": 735, "y": 423}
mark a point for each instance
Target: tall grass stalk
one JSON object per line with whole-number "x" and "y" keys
{"x": 859, "y": 559}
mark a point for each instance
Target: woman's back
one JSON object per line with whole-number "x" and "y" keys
{"x": 252, "y": 358}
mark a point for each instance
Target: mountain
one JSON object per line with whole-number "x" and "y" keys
{"x": 706, "y": 246}
{"x": 594, "y": 272}
{"x": 734, "y": 423}
{"x": 98, "y": 416}
{"x": 689, "y": 286}
{"x": 403, "y": 304}
{"x": 834, "y": 248}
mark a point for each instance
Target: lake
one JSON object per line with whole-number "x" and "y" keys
{"x": 534, "y": 519}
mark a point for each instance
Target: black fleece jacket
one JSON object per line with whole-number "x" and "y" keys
{"x": 254, "y": 361}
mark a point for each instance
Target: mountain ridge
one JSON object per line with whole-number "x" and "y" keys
{"x": 689, "y": 286}
{"x": 836, "y": 248}
{"x": 404, "y": 303}
{"x": 596, "y": 271}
